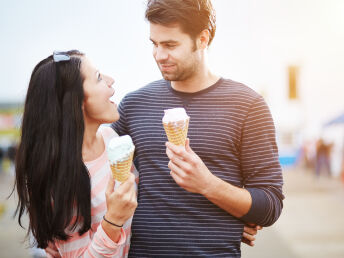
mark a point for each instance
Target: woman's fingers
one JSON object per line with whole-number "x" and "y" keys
{"x": 127, "y": 191}
{"x": 252, "y": 225}
{"x": 128, "y": 184}
{"x": 52, "y": 252}
{"x": 248, "y": 236}
{"x": 250, "y": 230}
{"x": 110, "y": 186}
{"x": 246, "y": 241}
{"x": 121, "y": 203}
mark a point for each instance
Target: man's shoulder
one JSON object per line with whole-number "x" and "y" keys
{"x": 240, "y": 89}
{"x": 150, "y": 89}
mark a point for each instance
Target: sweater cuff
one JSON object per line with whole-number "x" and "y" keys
{"x": 259, "y": 207}
{"x": 108, "y": 242}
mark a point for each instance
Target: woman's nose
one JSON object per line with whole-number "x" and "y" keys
{"x": 109, "y": 80}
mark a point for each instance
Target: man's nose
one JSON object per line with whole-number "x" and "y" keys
{"x": 160, "y": 54}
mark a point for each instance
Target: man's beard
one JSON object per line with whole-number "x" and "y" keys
{"x": 180, "y": 74}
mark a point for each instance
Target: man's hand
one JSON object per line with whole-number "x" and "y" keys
{"x": 187, "y": 168}
{"x": 248, "y": 236}
{"x": 190, "y": 173}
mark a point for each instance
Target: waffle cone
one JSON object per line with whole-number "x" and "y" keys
{"x": 121, "y": 170}
{"x": 177, "y": 132}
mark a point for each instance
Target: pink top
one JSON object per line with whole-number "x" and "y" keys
{"x": 95, "y": 242}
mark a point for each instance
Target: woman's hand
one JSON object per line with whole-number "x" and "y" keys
{"x": 52, "y": 251}
{"x": 121, "y": 202}
{"x": 248, "y": 236}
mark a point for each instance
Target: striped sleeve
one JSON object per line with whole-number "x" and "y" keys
{"x": 85, "y": 246}
{"x": 260, "y": 165}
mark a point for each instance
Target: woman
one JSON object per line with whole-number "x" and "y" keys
{"x": 62, "y": 173}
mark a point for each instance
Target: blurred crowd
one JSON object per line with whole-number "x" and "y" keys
{"x": 7, "y": 158}
{"x": 321, "y": 157}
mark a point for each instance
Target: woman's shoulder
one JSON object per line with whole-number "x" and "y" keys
{"x": 107, "y": 132}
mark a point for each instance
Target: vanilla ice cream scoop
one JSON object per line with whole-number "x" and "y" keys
{"x": 120, "y": 148}
{"x": 174, "y": 115}
{"x": 120, "y": 152}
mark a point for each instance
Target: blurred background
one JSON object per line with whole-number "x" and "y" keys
{"x": 291, "y": 52}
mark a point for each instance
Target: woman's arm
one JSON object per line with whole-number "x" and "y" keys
{"x": 108, "y": 240}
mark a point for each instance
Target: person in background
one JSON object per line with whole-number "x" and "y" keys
{"x": 323, "y": 158}
{"x": 2, "y": 154}
{"x": 11, "y": 155}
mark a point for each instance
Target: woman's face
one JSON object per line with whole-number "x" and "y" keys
{"x": 97, "y": 90}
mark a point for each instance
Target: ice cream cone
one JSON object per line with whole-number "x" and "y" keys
{"x": 120, "y": 152}
{"x": 177, "y": 131}
{"x": 121, "y": 170}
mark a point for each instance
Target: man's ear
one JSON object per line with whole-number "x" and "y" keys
{"x": 203, "y": 39}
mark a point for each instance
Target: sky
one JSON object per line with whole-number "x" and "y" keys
{"x": 113, "y": 34}
{"x": 254, "y": 43}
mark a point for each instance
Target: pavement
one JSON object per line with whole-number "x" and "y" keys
{"x": 12, "y": 236}
{"x": 311, "y": 224}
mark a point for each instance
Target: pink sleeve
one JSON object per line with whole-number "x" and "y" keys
{"x": 108, "y": 132}
{"x": 83, "y": 246}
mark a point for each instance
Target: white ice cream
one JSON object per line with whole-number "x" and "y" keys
{"x": 120, "y": 148}
{"x": 174, "y": 114}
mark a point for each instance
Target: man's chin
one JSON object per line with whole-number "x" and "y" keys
{"x": 169, "y": 77}
{"x": 166, "y": 76}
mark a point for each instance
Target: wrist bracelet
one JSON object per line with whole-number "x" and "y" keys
{"x": 113, "y": 224}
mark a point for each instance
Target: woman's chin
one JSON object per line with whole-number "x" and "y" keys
{"x": 114, "y": 117}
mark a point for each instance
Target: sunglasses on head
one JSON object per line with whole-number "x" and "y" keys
{"x": 60, "y": 56}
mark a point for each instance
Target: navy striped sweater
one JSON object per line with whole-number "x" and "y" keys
{"x": 232, "y": 131}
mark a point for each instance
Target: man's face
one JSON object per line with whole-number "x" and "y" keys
{"x": 174, "y": 51}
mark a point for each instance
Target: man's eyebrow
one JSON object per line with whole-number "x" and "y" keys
{"x": 165, "y": 41}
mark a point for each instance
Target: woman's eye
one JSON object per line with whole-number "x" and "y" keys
{"x": 99, "y": 77}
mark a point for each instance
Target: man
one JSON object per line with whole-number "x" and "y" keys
{"x": 194, "y": 201}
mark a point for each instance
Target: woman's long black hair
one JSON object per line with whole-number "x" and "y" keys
{"x": 52, "y": 181}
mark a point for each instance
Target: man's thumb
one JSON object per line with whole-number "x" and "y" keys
{"x": 187, "y": 145}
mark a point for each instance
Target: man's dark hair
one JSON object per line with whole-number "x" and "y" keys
{"x": 194, "y": 16}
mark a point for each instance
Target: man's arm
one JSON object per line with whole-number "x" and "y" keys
{"x": 261, "y": 170}
{"x": 260, "y": 201}
{"x": 189, "y": 172}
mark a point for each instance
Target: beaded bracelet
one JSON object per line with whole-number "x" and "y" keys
{"x": 113, "y": 224}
